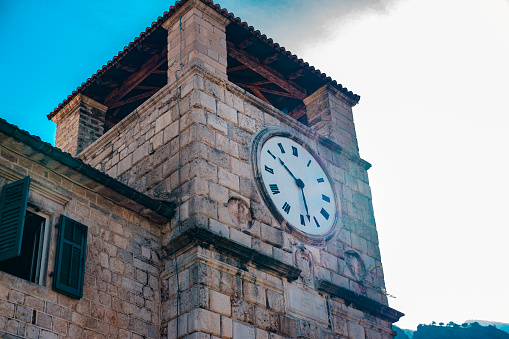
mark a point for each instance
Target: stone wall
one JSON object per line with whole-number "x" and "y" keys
{"x": 217, "y": 125}
{"x": 121, "y": 297}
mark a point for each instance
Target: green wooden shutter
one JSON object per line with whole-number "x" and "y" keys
{"x": 69, "y": 273}
{"x": 13, "y": 206}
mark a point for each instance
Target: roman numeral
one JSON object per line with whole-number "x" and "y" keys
{"x": 286, "y": 208}
{"x": 294, "y": 151}
{"x": 272, "y": 155}
{"x": 309, "y": 163}
{"x": 274, "y": 189}
{"x": 268, "y": 169}
{"x": 325, "y": 214}
{"x": 320, "y": 180}
{"x": 325, "y": 198}
{"x": 316, "y": 221}
{"x": 302, "y": 220}
{"x": 281, "y": 147}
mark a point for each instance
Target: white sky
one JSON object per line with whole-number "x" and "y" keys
{"x": 433, "y": 117}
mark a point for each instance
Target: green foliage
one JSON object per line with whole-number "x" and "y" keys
{"x": 455, "y": 331}
{"x": 399, "y": 333}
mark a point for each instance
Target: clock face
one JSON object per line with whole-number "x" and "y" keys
{"x": 296, "y": 186}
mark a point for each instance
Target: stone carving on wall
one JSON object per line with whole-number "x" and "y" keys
{"x": 355, "y": 265}
{"x": 304, "y": 261}
{"x": 240, "y": 212}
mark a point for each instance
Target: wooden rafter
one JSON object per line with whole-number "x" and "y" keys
{"x": 298, "y": 112}
{"x": 160, "y": 71}
{"x": 270, "y": 59}
{"x": 259, "y": 94}
{"x": 147, "y": 87}
{"x": 134, "y": 98}
{"x": 237, "y": 68}
{"x": 245, "y": 43}
{"x": 124, "y": 67}
{"x": 252, "y": 86}
{"x": 266, "y": 72}
{"x": 136, "y": 78}
{"x": 296, "y": 74}
{"x": 259, "y": 83}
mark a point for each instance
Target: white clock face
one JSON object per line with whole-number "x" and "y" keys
{"x": 297, "y": 186}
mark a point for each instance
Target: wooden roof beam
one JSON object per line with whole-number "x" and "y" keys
{"x": 270, "y": 59}
{"x": 266, "y": 72}
{"x": 237, "y": 68}
{"x": 136, "y": 78}
{"x": 298, "y": 112}
{"x": 259, "y": 94}
{"x": 134, "y": 98}
{"x": 252, "y": 86}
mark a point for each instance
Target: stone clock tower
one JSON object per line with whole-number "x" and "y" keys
{"x": 275, "y": 235}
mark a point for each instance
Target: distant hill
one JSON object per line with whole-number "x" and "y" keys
{"x": 400, "y": 334}
{"x": 455, "y": 331}
{"x": 501, "y": 326}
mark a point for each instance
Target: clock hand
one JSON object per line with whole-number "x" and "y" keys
{"x": 305, "y": 204}
{"x": 298, "y": 182}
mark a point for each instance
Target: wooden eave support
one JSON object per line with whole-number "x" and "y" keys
{"x": 237, "y": 68}
{"x": 253, "y": 87}
{"x": 268, "y": 73}
{"x": 134, "y": 98}
{"x": 135, "y": 79}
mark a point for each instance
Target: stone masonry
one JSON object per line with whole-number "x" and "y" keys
{"x": 79, "y": 124}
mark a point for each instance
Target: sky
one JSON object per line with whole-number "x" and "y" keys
{"x": 433, "y": 77}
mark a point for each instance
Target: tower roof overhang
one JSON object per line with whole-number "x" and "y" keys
{"x": 255, "y": 62}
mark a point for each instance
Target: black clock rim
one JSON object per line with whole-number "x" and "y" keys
{"x": 257, "y": 144}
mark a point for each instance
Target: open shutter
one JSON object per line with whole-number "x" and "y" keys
{"x": 13, "y": 206}
{"x": 69, "y": 272}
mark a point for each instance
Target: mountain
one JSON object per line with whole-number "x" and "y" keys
{"x": 455, "y": 331}
{"x": 501, "y": 326}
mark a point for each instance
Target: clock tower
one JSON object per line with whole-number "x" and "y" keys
{"x": 275, "y": 235}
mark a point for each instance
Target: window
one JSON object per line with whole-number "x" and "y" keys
{"x": 23, "y": 234}
{"x": 30, "y": 262}
{"x": 24, "y": 241}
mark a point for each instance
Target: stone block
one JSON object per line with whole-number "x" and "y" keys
{"x": 275, "y": 301}
{"x": 240, "y": 237}
{"x": 204, "y": 321}
{"x": 227, "y": 113}
{"x": 356, "y": 331}
{"x": 226, "y": 327}
{"x": 253, "y": 293}
{"x": 243, "y": 331}
{"x": 220, "y": 303}
{"x": 266, "y": 319}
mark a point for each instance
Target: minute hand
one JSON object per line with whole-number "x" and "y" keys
{"x": 298, "y": 182}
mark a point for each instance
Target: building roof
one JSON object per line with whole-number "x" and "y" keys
{"x": 32, "y": 147}
{"x": 152, "y": 42}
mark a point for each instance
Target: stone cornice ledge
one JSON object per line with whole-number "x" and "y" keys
{"x": 359, "y": 302}
{"x": 205, "y": 237}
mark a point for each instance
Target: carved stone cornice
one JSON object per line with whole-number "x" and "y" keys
{"x": 201, "y": 236}
{"x": 359, "y": 302}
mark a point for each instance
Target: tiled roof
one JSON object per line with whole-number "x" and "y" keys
{"x": 160, "y": 20}
{"x": 110, "y": 188}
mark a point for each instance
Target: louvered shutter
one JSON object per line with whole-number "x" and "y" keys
{"x": 13, "y": 205}
{"x": 69, "y": 272}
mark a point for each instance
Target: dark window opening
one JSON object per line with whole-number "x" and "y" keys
{"x": 28, "y": 264}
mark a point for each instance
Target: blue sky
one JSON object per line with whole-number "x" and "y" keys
{"x": 433, "y": 117}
